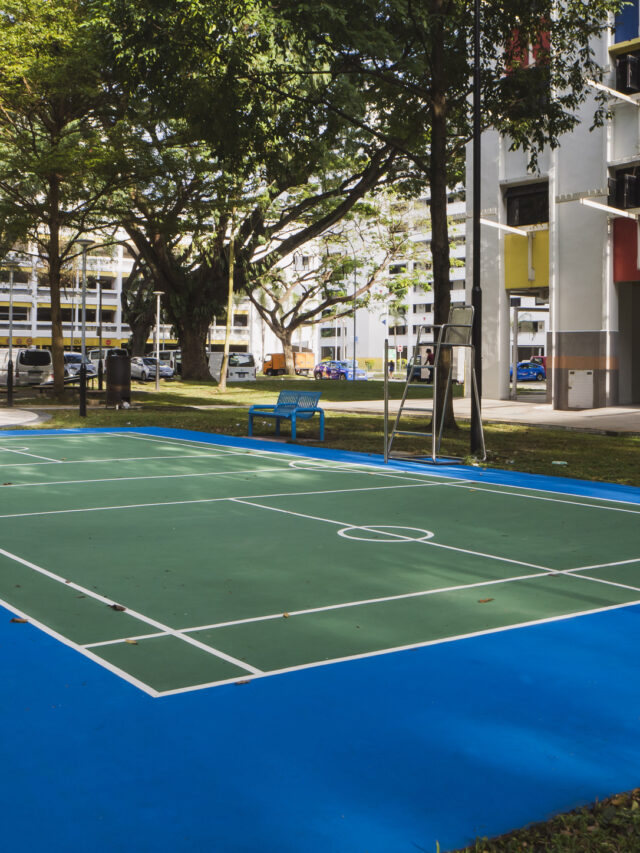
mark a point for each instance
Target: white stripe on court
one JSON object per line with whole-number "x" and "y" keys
{"x": 218, "y": 500}
{"x": 395, "y": 535}
{"x": 152, "y": 477}
{"x": 121, "y": 673}
{"x": 606, "y": 565}
{"x": 421, "y": 645}
{"x": 498, "y": 490}
{"x": 134, "y": 613}
{"x": 116, "y": 459}
{"x": 33, "y": 455}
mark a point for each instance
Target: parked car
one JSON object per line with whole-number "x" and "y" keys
{"x": 144, "y": 368}
{"x": 94, "y": 355}
{"x": 338, "y": 370}
{"x": 529, "y": 371}
{"x": 73, "y": 362}
{"x": 241, "y": 366}
{"x": 540, "y": 359}
{"x": 30, "y": 366}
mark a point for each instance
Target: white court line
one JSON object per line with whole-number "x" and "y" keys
{"x": 546, "y": 572}
{"x": 152, "y": 477}
{"x": 117, "y": 459}
{"x": 421, "y": 645}
{"x": 498, "y": 490}
{"x": 218, "y": 500}
{"x": 249, "y": 502}
{"x": 24, "y": 453}
{"x": 606, "y": 565}
{"x": 117, "y": 642}
{"x": 80, "y": 649}
{"x": 447, "y": 479}
{"x": 134, "y": 613}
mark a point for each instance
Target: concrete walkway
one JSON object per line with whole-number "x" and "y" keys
{"x": 532, "y": 411}
{"x": 623, "y": 419}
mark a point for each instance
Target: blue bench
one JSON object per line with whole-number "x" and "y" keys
{"x": 291, "y": 406}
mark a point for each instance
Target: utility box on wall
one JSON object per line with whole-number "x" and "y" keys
{"x": 581, "y": 389}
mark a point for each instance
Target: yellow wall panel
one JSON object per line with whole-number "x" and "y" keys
{"x": 516, "y": 260}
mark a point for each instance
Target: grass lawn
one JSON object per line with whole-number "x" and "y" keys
{"x": 613, "y": 825}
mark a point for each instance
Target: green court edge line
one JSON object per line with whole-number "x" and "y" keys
{"x": 494, "y": 476}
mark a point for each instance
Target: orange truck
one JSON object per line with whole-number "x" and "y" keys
{"x": 274, "y": 365}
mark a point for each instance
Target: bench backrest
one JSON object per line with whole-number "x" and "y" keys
{"x": 298, "y": 401}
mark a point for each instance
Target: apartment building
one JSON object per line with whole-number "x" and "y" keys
{"x": 578, "y": 250}
{"x": 24, "y": 293}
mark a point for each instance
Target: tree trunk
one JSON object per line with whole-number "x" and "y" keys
{"x": 193, "y": 342}
{"x": 139, "y": 335}
{"x": 286, "y": 338}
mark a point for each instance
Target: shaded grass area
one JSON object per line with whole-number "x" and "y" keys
{"x": 612, "y": 826}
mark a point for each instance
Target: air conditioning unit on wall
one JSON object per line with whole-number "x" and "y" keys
{"x": 628, "y": 74}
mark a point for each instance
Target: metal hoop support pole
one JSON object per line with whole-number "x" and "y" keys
{"x": 386, "y": 400}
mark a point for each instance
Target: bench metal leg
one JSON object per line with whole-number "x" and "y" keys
{"x": 293, "y": 427}
{"x": 321, "y": 426}
{"x": 250, "y": 424}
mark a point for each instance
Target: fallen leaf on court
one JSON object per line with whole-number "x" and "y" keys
{"x": 286, "y": 615}
{"x": 132, "y": 642}
{"x": 15, "y": 619}
{"x": 484, "y": 600}
{"x": 116, "y": 607}
{"x": 7, "y": 484}
{"x": 246, "y": 681}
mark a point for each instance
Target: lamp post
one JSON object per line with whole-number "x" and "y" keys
{"x": 83, "y": 349}
{"x": 476, "y": 290}
{"x": 99, "y": 319}
{"x": 157, "y": 294}
{"x": 12, "y": 265}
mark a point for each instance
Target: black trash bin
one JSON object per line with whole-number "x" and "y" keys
{"x": 118, "y": 370}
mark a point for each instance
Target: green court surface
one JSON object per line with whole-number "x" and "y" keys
{"x": 181, "y": 564}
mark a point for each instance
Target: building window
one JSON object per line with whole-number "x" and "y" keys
{"x": 527, "y": 205}
{"x": 397, "y": 330}
{"x": 626, "y": 27}
{"x": 20, "y": 314}
{"x": 624, "y": 188}
{"x": 331, "y": 332}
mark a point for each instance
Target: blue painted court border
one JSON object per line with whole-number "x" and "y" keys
{"x": 385, "y": 755}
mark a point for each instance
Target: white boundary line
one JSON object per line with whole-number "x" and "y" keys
{"x": 152, "y": 477}
{"x": 80, "y": 649}
{"x": 482, "y": 487}
{"x": 24, "y": 453}
{"x": 165, "y": 629}
{"x": 408, "y": 647}
{"x": 383, "y": 599}
{"x": 218, "y": 500}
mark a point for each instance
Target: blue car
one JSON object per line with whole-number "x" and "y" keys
{"x": 338, "y": 370}
{"x": 529, "y": 371}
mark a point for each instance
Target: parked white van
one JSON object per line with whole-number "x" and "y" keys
{"x": 241, "y": 367}
{"x": 94, "y": 355}
{"x": 30, "y": 366}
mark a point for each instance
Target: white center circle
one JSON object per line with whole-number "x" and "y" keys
{"x": 386, "y": 533}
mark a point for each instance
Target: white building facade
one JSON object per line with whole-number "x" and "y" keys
{"x": 581, "y": 260}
